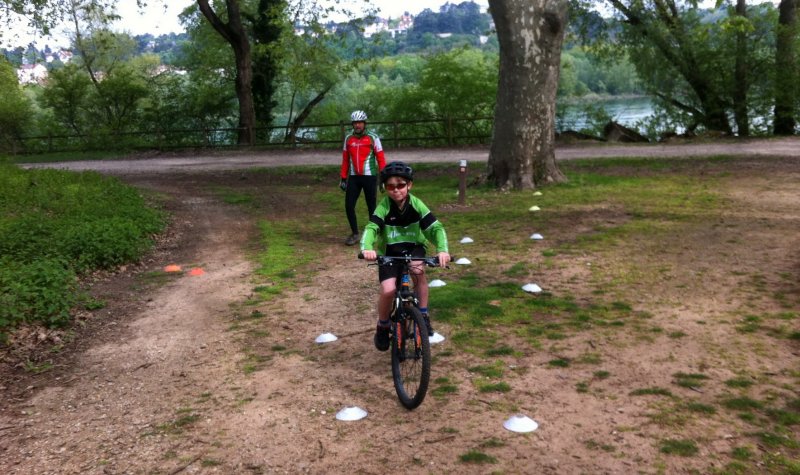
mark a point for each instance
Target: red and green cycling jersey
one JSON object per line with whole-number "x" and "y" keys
{"x": 392, "y": 230}
{"x": 362, "y": 155}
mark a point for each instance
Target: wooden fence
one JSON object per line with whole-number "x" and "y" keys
{"x": 419, "y": 133}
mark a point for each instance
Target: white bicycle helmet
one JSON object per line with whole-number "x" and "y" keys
{"x": 358, "y": 116}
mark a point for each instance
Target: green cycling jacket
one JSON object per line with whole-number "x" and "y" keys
{"x": 392, "y": 231}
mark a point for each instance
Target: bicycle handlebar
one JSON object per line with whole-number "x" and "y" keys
{"x": 432, "y": 261}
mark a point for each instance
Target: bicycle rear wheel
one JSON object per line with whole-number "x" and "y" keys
{"x": 411, "y": 357}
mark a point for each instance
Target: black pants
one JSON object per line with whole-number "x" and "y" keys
{"x": 356, "y": 183}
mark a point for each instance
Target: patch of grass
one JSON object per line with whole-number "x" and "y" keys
{"x": 741, "y": 404}
{"x": 582, "y": 387}
{"x": 676, "y": 334}
{"x": 38, "y": 368}
{"x": 476, "y": 457}
{"x": 784, "y": 416}
{"x": 176, "y": 426}
{"x": 210, "y": 463}
{"x": 701, "y": 408}
{"x": 91, "y": 303}
{"x": 689, "y": 380}
{"x": 739, "y": 383}
{"x": 655, "y": 391}
{"x": 493, "y": 443}
{"x": 517, "y": 270}
{"x": 682, "y": 447}
{"x": 494, "y": 370}
{"x": 749, "y": 324}
{"x": 771, "y": 439}
{"x": 589, "y": 358}
{"x": 503, "y": 350}
{"x": 444, "y": 386}
{"x": 489, "y": 387}
{"x": 736, "y": 468}
{"x": 742, "y": 453}
{"x": 594, "y": 445}
{"x": 559, "y": 363}
{"x": 602, "y": 374}
{"x": 233, "y": 197}
{"x": 280, "y": 258}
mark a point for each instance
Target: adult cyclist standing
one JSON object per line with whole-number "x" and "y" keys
{"x": 362, "y": 162}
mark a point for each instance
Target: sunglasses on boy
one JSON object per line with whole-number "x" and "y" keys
{"x": 398, "y": 186}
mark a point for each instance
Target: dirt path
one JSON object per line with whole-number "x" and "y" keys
{"x": 172, "y": 379}
{"x": 165, "y": 163}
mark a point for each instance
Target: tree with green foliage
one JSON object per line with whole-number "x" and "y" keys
{"x": 460, "y": 84}
{"x": 15, "y": 108}
{"x": 787, "y": 70}
{"x": 66, "y": 93}
{"x": 43, "y": 15}
{"x": 733, "y": 61}
{"x": 522, "y": 154}
{"x": 232, "y": 29}
{"x": 269, "y": 25}
{"x": 661, "y": 31}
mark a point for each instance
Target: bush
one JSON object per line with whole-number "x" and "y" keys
{"x": 43, "y": 290}
{"x": 56, "y": 225}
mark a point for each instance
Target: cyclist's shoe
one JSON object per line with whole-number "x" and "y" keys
{"x": 428, "y": 324}
{"x": 382, "y": 338}
{"x": 352, "y": 239}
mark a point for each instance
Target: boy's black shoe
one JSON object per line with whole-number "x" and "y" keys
{"x": 428, "y": 324}
{"x": 351, "y": 239}
{"x": 382, "y": 338}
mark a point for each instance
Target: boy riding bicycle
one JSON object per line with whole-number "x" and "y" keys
{"x": 402, "y": 224}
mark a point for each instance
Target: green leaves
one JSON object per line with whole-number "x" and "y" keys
{"x": 55, "y": 225}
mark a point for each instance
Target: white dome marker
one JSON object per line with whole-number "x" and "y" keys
{"x": 537, "y": 236}
{"x": 534, "y": 208}
{"x": 520, "y": 423}
{"x": 436, "y": 338}
{"x": 463, "y": 261}
{"x": 436, "y": 283}
{"x": 351, "y": 413}
{"x": 532, "y": 288}
{"x": 466, "y": 240}
{"x": 326, "y": 338}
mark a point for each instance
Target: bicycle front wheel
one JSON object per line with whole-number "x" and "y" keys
{"x": 411, "y": 357}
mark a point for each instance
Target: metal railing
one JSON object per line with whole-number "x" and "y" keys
{"x": 397, "y": 134}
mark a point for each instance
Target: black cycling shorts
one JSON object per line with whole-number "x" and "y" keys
{"x": 393, "y": 271}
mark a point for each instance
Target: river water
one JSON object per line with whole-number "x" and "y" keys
{"x": 627, "y": 111}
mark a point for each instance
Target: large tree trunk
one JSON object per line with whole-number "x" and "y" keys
{"x": 268, "y": 25}
{"x": 530, "y": 32}
{"x": 741, "y": 80}
{"x": 234, "y": 33}
{"x": 786, "y": 74}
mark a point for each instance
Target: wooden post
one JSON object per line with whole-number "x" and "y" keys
{"x": 462, "y": 182}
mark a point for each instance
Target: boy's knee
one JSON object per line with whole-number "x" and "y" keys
{"x": 387, "y": 291}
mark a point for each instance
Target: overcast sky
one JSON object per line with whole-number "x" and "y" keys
{"x": 158, "y": 21}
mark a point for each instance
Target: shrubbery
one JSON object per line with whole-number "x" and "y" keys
{"x": 56, "y": 225}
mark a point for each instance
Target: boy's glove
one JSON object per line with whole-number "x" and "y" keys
{"x": 343, "y": 184}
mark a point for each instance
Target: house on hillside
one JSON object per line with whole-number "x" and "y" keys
{"x": 401, "y": 25}
{"x": 31, "y": 74}
{"x": 377, "y": 26}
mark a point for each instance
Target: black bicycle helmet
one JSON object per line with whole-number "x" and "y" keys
{"x": 397, "y": 169}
